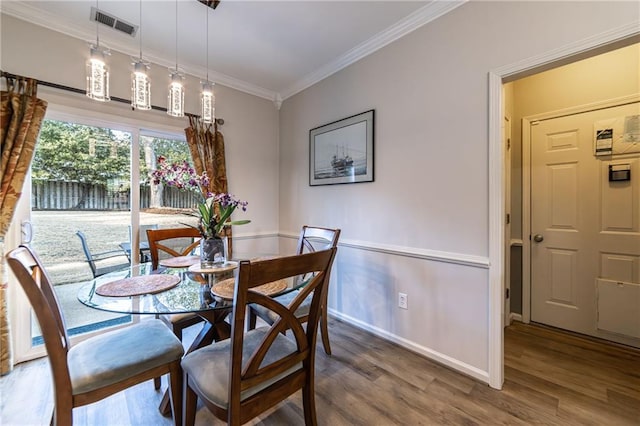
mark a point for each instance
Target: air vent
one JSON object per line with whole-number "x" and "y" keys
{"x": 113, "y": 22}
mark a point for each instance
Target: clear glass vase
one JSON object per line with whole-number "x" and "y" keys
{"x": 213, "y": 252}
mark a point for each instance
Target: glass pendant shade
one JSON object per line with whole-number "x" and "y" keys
{"x": 97, "y": 75}
{"x": 208, "y": 103}
{"x": 175, "y": 100}
{"x": 140, "y": 86}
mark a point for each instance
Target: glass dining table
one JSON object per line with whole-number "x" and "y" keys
{"x": 175, "y": 289}
{"x": 186, "y": 288}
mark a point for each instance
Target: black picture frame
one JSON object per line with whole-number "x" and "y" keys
{"x": 342, "y": 151}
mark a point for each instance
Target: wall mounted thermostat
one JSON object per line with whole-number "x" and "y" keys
{"x": 619, "y": 172}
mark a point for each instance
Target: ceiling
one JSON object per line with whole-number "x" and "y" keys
{"x": 271, "y": 49}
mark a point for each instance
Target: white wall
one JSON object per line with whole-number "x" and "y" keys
{"x": 250, "y": 128}
{"x": 430, "y": 195}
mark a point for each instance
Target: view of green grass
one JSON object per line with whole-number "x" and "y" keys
{"x": 56, "y": 242}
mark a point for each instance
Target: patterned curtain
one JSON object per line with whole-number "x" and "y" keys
{"x": 206, "y": 144}
{"x": 21, "y": 114}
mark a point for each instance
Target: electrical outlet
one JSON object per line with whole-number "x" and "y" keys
{"x": 403, "y": 301}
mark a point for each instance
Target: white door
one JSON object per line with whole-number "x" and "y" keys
{"x": 585, "y": 229}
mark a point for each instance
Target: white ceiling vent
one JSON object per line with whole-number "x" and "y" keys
{"x": 113, "y": 22}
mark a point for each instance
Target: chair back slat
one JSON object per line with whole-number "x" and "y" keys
{"x": 35, "y": 282}
{"x": 159, "y": 240}
{"x": 247, "y": 369}
{"x": 315, "y": 238}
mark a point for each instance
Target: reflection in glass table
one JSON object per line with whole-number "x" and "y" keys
{"x": 192, "y": 293}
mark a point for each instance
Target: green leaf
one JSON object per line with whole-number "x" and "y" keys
{"x": 237, "y": 222}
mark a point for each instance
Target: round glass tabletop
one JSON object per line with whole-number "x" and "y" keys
{"x": 191, "y": 294}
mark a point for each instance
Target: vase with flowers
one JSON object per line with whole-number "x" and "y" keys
{"x": 213, "y": 210}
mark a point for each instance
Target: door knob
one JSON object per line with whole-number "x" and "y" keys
{"x": 538, "y": 238}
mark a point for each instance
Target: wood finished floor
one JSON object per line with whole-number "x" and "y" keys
{"x": 552, "y": 378}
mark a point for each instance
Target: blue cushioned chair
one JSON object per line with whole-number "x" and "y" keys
{"x": 104, "y": 364}
{"x": 243, "y": 376}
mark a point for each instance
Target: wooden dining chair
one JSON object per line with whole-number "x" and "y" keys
{"x": 102, "y": 365}
{"x": 312, "y": 238}
{"x": 243, "y": 376}
{"x": 174, "y": 242}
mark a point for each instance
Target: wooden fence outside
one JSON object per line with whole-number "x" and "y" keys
{"x": 61, "y": 195}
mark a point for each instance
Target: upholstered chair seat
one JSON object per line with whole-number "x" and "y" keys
{"x": 204, "y": 366}
{"x": 285, "y": 299}
{"x": 113, "y": 357}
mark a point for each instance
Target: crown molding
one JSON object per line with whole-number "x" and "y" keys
{"x": 606, "y": 38}
{"x": 28, "y": 13}
{"x": 420, "y": 17}
{"x": 417, "y": 19}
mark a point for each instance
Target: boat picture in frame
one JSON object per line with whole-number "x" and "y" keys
{"x": 342, "y": 151}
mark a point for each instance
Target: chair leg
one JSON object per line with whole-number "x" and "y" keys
{"x": 252, "y": 319}
{"x": 62, "y": 410}
{"x": 177, "y": 330}
{"x": 309, "y": 403}
{"x": 175, "y": 392}
{"x": 324, "y": 331}
{"x": 190, "y": 401}
{"x": 62, "y": 417}
{"x": 157, "y": 382}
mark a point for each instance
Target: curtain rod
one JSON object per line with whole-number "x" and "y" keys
{"x": 219, "y": 121}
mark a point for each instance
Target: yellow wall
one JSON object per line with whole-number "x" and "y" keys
{"x": 607, "y": 76}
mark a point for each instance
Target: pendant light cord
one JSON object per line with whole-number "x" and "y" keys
{"x": 207, "y": 45}
{"x": 97, "y": 27}
{"x": 141, "y": 30}
{"x": 176, "y": 35}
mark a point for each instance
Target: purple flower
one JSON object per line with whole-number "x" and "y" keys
{"x": 183, "y": 176}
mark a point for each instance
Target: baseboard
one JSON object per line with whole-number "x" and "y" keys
{"x": 515, "y": 317}
{"x": 453, "y": 363}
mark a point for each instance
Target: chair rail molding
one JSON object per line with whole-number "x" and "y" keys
{"x": 418, "y": 253}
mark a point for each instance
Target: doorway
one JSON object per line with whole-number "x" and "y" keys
{"x": 499, "y": 79}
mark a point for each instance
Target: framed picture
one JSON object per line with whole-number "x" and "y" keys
{"x": 342, "y": 151}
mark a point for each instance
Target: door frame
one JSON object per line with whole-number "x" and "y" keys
{"x": 600, "y": 43}
{"x": 527, "y": 122}
{"x": 507, "y": 138}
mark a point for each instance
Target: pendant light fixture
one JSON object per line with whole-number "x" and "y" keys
{"x": 140, "y": 83}
{"x": 97, "y": 69}
{"x": 207, "y": 96}
{"x": 175, "y": 99}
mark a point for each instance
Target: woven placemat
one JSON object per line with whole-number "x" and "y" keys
{"x": 179, "y": 261}
{"x": 136, "y": 286}
{"x": 224, "y": 289}
{"x": 227, "y": 266}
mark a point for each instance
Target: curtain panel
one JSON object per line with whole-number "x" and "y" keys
{"x": 21, "y": 115}
{"x": 206, "y": 144}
